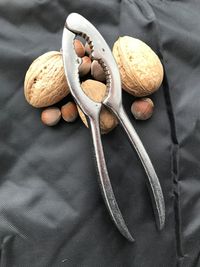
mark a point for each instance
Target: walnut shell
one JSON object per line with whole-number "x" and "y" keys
{"x": 140, "y": 68}
{"x": 45, "y": 83}
{"x": 96, "y": 91}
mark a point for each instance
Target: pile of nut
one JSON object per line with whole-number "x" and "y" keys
{"x": 141, "y": 74}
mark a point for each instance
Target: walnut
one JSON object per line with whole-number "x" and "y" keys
{"x": 96, "y": 91}
{"x": 45, "y": 83}
{"x": 140, "y": 68}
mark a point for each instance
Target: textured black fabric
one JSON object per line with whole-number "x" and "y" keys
{"x": 51, "y": 209}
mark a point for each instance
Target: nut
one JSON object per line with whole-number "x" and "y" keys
{"x": 79, "y": 48}
{"x": 84, "y": 68}
{"x": 140, "y": 68}
{"x": 45, "y": 82}
{"x": 96, "y": 91}
{"x": 51, "y": 116}
{"x": 97, "y": 71}
{"x": 142, "y": 109}
{"x": 69, "y": 112}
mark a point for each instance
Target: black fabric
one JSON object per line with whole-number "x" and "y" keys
{"x": 51, "y": 209}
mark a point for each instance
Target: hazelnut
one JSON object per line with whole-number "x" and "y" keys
{"x": 51, "y": 116}
{"x": 85, "y": 66}
{"x": 97, "y": 71}
{"x": 142, "y": 109}
{"x": 140, "y": 68}
{"x": 96, "y": 91}
{"x": 69, "y": 112}
{"x": 45, "y": 83}
{"x": 79, "y": 48}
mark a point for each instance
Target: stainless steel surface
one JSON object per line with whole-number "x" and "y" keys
{"x": 76, "y": 24}
{"x": 71, "y": 63}
{"x": 92, "y": 110}
{"x": 153, "y": 185}
{"x": 104, "y": 180}
{"x": 101, "y": 52}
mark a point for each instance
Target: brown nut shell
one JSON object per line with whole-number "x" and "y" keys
{"x": 85, "y": 66}
{"x": 97, "y": 71}
{"x": 69, "y": 112}
{"x": 96, "y": 91}
{"x": 79, "y": 48}
{"x": 45, "y": 83}
{"x": 51, "y": 116}
{"x": 142, "y": 109}
{"x": 140, "y": 68}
